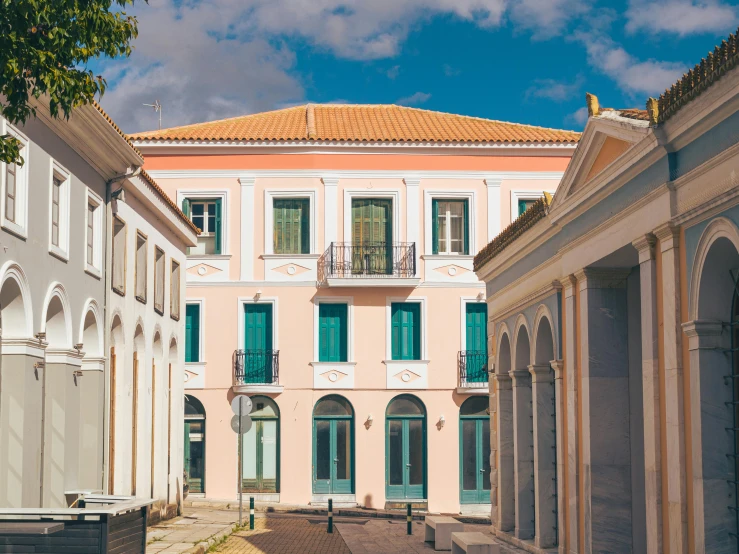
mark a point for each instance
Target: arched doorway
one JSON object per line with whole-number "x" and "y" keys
{"x": 474, "y": 451}
{"x": 194, "y": 445}
{"x": 405, "y": 447}
{"x": 260, "y": 453}
{"x": 333, "y": 446}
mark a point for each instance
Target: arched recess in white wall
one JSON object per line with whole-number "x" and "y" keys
{"x": 91, "y": 335}
{"x": 56, "y": 318}
{"x": 521, "y": 344}
{"x": 545, "y": 344}
{"x": 16, "y": 314}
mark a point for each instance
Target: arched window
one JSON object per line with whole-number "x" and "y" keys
{"x": 405, "y": 447}
{"x": 474, "y": 450}
{"x": 260, "y": 454}
{"x": 194, "y": 444}
{"x": 333, "y": 446}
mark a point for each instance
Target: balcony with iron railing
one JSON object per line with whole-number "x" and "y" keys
{"x": 256, "y": 371}
{"x": 473, "y": 371}
{"x": 346, "y": 264}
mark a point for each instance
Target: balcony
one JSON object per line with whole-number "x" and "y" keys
{"x": 473, "y": 372}
{"x": 368, "y": 264}
{"x": 256, "y": 371}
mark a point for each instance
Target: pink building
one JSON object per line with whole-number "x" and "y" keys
{"x": 333, "y": 284}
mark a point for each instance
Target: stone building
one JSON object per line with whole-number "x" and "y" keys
{"x": 613, "y": 320}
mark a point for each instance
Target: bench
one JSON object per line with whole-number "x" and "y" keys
{"x": 473, "y": 543}
{"x": 439, "y": 530}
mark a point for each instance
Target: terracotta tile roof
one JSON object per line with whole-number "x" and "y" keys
{"x": 113, "y": 124}
{"x": 153, "y": 184}
{"x": 634, "y": 113}
{"x": 361, "y": 122}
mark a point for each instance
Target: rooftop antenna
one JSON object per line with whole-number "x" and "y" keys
{"x": 157, "y": 108}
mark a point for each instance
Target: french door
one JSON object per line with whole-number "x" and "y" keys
{"x": 405, "y": 458}
{"x": 372, "y": 236}
{"x": 258, "y": 351}
{"x": 260, "y": 457}
{"x": 475, "y": 460}
{"x": 194, "y": 454}
{"x": 476, "y": 331}
{"x": 332, "y": 455}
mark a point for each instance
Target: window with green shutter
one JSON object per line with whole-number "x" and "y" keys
{"x": 332, "y": 332}
{"x": 524, "y": 205}
{"x": 291, "y": 225}
{"x": 406, "y": 330}
{"x": 206, "y": 215}
{"x": 450, "y": 232}
{"x": 192, "y": 333}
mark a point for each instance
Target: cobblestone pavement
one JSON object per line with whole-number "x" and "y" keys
{"x": 286, "y": 535}
{"x": 196, "y": 526}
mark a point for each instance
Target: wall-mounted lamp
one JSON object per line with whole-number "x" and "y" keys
{"x": 78, "y": 373}
{"x": 442, "y": 421}
{"x": 368, "y": 422}
{"x": 480, "y": 296}
{"x": 78, "y": 347}
{"x": 258, "y": 295}
{"x": 39, "y": 365}
{"x": 41, "y": 336}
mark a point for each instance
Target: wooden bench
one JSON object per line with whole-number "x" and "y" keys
{"x": 439, "y": 530}
{"x": 474, "y": 543}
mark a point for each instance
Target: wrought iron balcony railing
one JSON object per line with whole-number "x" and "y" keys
{"x": 473, "y": 368}
{"x": 256, "y": 367}
{"x": 372, "y": 259}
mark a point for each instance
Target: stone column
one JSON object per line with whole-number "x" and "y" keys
{"x": 558, "y": 367}
{"x": 330, "y": 211}
{"x": 674, "y": 395}
{"x": 573, "y": 461}
{"x": 545, "y": 464}
{"x": 506, "y": 495}
{"x": 246, "y": 248}
{"x": 413, "y": 212}
{"x": 524, "y": 453}
{"x": 606, "y": 442}
{"x": 493, "y": 212}
{"x": 651, "y": 392}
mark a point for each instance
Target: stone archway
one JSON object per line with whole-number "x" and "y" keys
{"x": 523, "y": 434}
{"x": 504, "y": 502}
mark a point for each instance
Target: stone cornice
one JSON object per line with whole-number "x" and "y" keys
{"x": 668, "y": 235}
{"x": 645, "y": 247}
{"x": 600, "y": 278}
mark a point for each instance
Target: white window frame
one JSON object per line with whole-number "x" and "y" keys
{"x": 389, "y": 301}
{"x": 201, "y": 330}
{"x": 123, "y": 256}
{"x": 94, "y": 266}
{"x": 200, "y": 194}
{"x": 429, "y": 197}
{"x": 351, "y": 194}
{"x": 349, "y": 301}
{"x": 172, "y": 261}
{"x": 517, "y": 195}
{"x": 56, "y": 169}
{"x": 269, "y": 216}
{"x": 20, "y": 226}
{"x": 145, "y": 298}
{"x": 158, "y": 278}
{"x": 241, "y": 302}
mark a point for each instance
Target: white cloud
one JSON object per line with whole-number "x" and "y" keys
{"x": 550, "y": 89}
{"x": 545, "y": 18}
{"x": 682, "y": 17}
{"x": 414, "y": 99}
{"x": 450, "y": 71}
{"x": 393, "y": 72}
{"x": 579, "y": 116}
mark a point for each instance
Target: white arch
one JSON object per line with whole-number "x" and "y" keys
{"x": 57, "y": 290}
{"x": 17, "y": 321}
{"x": 720, "y": 227}
{"x": 503, "y": 331}
{"x": 91, "y": 306}
{"x": 521, "y": 323}
{"x": 117, "y": 338}
{"x": 543, "y": 312}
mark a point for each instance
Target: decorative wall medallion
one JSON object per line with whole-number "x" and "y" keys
{"x": 291, "y": 269}
{"x": 407, "y": 376}
{"x": 203, "y": 270}
{"x": 333, "y": 375}
{"x": 452, "y": 270}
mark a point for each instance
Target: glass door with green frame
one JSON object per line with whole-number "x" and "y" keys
{"x": 194, "y": 445}
{"x": 258, "y": 353}
{"x": 405, "y": 447}
{"x": 474, "y": 451}
{"x": 476, "y": 335}
{"x": 261, "y": 449}
{"x": 372, "y": 236}
{"x": 333, "y": 446}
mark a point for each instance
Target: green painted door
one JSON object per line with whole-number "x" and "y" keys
{"x": 474, "y": 462}
{"x": 332, "y": 329}
{"x": 259, "y": 457}
{"x": 372, "y": 236}
{"x": 405, "y": 330}
{"x": 192, "y": 333}
{"x": 405, "y": 459}
{"x": 258, "y": 343}
{"x": 477, "y": 341}
{"x": 194, "y": 454}
{"x": 332, "y": 455}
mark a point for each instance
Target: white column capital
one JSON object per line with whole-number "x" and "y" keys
{"x": 504, "y": 381}
{"x": 23, "y": 346}
{"x": 645, "y": 246}
{"x": 247, "y": 181}
{"x": 558, "y": 366}
{"x": 568, "y": 285}
{"x": 520, "y": 377}
{"x": 541, "y": 373}
{"x": 493, "y": 181}
{"x": 668, "y": 235}
{"x": 703, "y": 333}
{"x": 600, "y": 278}
{"x": 330, "y": 181}
{"x": 412, "y": 181}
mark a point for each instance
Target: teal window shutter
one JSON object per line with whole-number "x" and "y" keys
{"x": 332, "y": 329}
{"x": 435, "y": 226}
{"x": 406, "y": 331}
{"x": 219, "y": 229}
{"x": 305, "y": 226}
{"x": 291, "y": 226}
{"x": 192, "y": 333}
{"x": 186, "y": 207}
{"x": 521, "y": 207}
{"x": 466, "y": 223}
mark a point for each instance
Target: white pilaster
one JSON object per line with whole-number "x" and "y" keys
{"x": 505, "y": 501}
{"x": 330, "y": 211}
{"x": 573, "y": 478}
{"x": 558, "y": 367}
{"x": 674, "y": 397}
{"x": 493, "y": 215}
{"x": 545, "y": 463}
{"x": 412, "y": 210}
{"x": 246, "y": 252}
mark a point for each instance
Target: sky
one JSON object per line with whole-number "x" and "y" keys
{"x": 526, "y": 61}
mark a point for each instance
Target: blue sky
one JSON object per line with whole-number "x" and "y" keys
{"x": 528, "y": 61}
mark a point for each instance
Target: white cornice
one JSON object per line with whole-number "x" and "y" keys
{"x": 352, "y": 174}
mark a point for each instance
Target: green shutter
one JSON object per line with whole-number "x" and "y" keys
{"x": 305, "y": 226}
{"x": 192, "y": 333}
{"x": 406, "y": 331}
{"x": 291, "y": 226}
{"x": 186, "y": 207}
{"x": 521, "y": 207}
{"x": 332, "y": 329}
{"x": 435, "y": 226}
{"x": 466, "y": 224}
{"x": 219, "y": 230}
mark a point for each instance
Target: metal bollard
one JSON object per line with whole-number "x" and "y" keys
{"x": 251, "y": 513}
{"x": 330, "y": 516}
{"x": 409, "y": 516}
